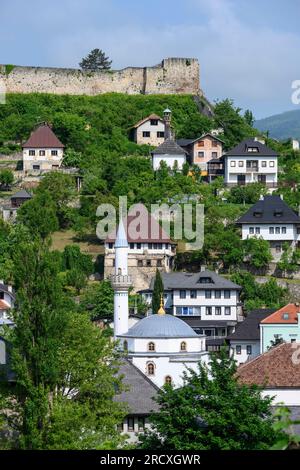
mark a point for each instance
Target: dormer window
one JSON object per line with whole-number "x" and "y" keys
{"x": 252, "y": 149}
{"x": 285, "y": 316}
{"x": 257, "y": 213}
{"x": 205, "y": 280}
{"x": 153, "y": 122}
{"x": 278, "y": 213}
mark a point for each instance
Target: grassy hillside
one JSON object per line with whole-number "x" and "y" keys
{"x": 281, "y": 126}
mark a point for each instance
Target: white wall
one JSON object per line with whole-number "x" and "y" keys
{"x": 169, "y": 159}
{"x": 291, "y": 232}
{"x": 45, "y": 161}
{"x": 288, "y": 396}
{"x": 147, "y": 127}
{"x": 243, "y": 357}
{"x": 231, "y": 172}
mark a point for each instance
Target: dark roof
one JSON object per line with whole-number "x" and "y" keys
{"x": 184, "y": 142}
{"x": 271, "y": 209}
{"x": 169, "y": 147}
{"x": 21, "y": 195}
{"x": 196, "y": 322}
{"x": 249, "y": 328}
{"x": 242, "y": 149}
{"x": 43, "y": 137}
{"x": 5, "y": 288}
{"x": 141, "y": 390}
{"x": 182, "y": 280}
{"x": 275, "y": 368}
{"x": 216, "y": 160}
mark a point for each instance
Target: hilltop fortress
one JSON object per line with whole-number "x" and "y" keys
{"x": 171, "y": 76}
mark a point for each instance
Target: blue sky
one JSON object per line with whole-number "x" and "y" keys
{"x": 248, "y": 50}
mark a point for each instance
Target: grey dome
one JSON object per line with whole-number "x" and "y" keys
{"x": 161, "y": 326}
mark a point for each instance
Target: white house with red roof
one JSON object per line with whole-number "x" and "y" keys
{"x": 43, "y": 151}
{"x": 149, "y": 248}
{"x": 149, "y": 131}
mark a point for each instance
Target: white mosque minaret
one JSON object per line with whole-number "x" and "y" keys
{"x": 161, "y": 346}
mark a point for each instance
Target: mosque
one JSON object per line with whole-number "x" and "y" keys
{"x": 161, "y": 346}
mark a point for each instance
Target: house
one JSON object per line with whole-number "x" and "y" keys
{"x": 150, "y": 248}
{"x": 7, "y": 300}
{"x": 170, "y": 153}
{"x": 244, "y": 342}
{"x": 251, "y": 161}
{"x": 277, "y": 371}
{"x": 202, "y": 149}
{"x": 9, "y": 211}
{"x": 215, "y": 169}
{"x": 138, "y": 396}
{"x": 150, "y": 130}
{"x": 272, "y": 219}
{"x": 282, "y": 325}
{"x": 43, "y": 151}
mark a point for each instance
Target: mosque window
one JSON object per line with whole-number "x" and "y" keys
{"x": 168, "y": 380}
{"x": 150, "y": 368}
{"x": 151, "y": 346}
{"x": 183, "y": 346}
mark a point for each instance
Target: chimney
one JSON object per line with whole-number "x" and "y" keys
{"x": 261, "y": 197}
{"x": 9, "y": 288}
{"x": 261, "y": 140}
{"x": 202, "y": 268}
{"x": 167, "y": 121}
{"x": 281, "y": 197}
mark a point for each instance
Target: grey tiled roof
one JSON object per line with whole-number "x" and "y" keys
{"x": 242, "y": 149}
{"x": 140, "y": 393}
{"x": 21, "y": 195}
{"x": 182, "y": 280}
{"x": 249, "y": 328}
{"x": 196, "y": 322}
{"x": 160, "y": 326}
{"x": 268, "y": 210}
{"x": 169, "y": 147}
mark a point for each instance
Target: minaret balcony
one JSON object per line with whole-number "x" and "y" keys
{"x": 119, "y": 281}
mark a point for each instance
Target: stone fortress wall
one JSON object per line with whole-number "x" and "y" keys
{"x": 171, "y": 76}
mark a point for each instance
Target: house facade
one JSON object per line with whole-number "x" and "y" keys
{"x": 273, "y": 220}
{"x": 42, "y": 152}
{"x": 149, "y": 131}
{"x": 9, "y": 211}
{"x": 170, "y": 153}
{"x": 283, "y": 325}
{"x": 202, "y": 150}
{"x": 249, "y": 162}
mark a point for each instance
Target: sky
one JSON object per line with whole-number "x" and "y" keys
{"x": 248, "y": 49}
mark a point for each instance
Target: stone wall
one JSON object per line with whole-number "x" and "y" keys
{"x": 171, "y": 76}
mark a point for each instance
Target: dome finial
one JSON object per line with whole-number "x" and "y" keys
{"x": 161, "y": 310}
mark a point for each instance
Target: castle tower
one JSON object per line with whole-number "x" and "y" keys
{"x": 167, "y": 121}
{"x": 121, "y": 282}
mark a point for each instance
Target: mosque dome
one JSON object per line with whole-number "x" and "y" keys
{"x": 160, "y": 326}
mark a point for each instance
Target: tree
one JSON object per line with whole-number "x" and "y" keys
{"x": 158, "y": 291}
{"x": 72, "y": 258}
{"x": 6, "y": 177}
{"x": 289, "y": 260}
{"x": 98, "y": 300}
{"x": 257, "y": 252}
{"x": 95, "y": 60}
{"x": 211, "y": 411}
{"x": 77, "y": 279}
{"x": 39, "y": 215}
{"x": 249, "y": 118}
{"x": 65, "y": 367}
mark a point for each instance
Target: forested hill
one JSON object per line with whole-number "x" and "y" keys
{"x": 281, "y": 126}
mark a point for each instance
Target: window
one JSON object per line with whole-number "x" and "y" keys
{"x": 182, "y": 294}
{"x": 146, "y": 133}
{"x": 110, "y": 245}
{"x": 252, "y": 149}
{"x": 55, "y": 167}
{"x": 285, "y": 316}
{"x": 54, "y": 153}
{"x": 208, "y": 294}
{"x": 272, "y": 164}
{"x": 153, "y": 122}
{"x": 150, "y": 368}
{"x": 139, "y": 246}
{"x": 151, "y": 346}
{"x": 160, "y": 134}
{"x": 183, "y": 346}
{"x": 264, "y": 164}
{"x": 271, "y": 230}
{"x": 257, "y": 230}
{"x": 227, "y": 310}
{"x": 32, "y": 153}
{"x": 241, "y": 163}
{"x": 217, "y": 294}
{"x": 205, "y": 280}
{"x": 140, "y": 263}
{"x": 148, "y": 263}
{"x": 249, "y": 350}
{"x": 227, "y": 294}
{"x": 168, "y": 380}
{"x": 238, "y": 349}
{"x": 208, "y": 310}
{"x": 130, "y": 424}
{"x": 232, "y": 163}
{"x": 201, "y": 154}
{"x": 158, "y": 264}
{"x": 214, "y": 154}
{"x": 283, "y": 230}
{"x": 150, "y": 246}
{"x": 251, "y": 230}
{"x": 42, "y": 153}
{"x": 278, "y": 248}
{"x": 131, "y": 246}
{"x": 125, "y": 345}
{"x": 35, "y": 167}
{"x": 293, "y": 340}
{"x": 214, "y": 143}
{"x": 201, "y": 143}
{"x": 159, "y": 246}
{"x": 217, "y": 310}
{"x": 277, "y": 230}
{"x": 193, "y": 294}
{"x": 141, "y": 423}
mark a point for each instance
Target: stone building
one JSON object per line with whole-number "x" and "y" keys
{"x": 9, "y": 210}
{"x": 149, "y": 249}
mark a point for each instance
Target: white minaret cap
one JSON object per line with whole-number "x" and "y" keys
{"x": 167, "y": 111}
{"x": 121, "y": 240}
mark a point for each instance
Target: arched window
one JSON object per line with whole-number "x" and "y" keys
{"x": 151, "y": 346}
{"x": 183, "y": 346}
{"x": 125, "y": 345}
{"x": 168, "y": 380}
{"x": 150, "y": 368}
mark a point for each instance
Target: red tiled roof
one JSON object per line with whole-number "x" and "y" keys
{"x": 4, "y": 305}
{"x": 151, "y": 116}
{"x": 278, "y": 317}
{"x": 43, "y": 137}
{"x": 142, "y": 229}
{"x": 278, "y": 367}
